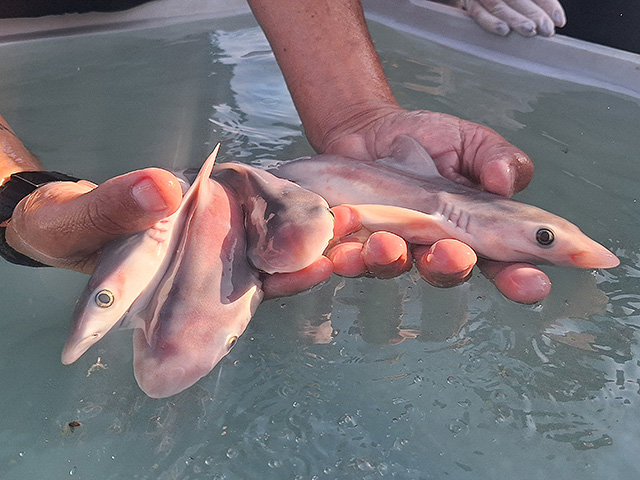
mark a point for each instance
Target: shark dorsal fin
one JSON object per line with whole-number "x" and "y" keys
{"x": 203, "y": 174}
{"x": 408, "y": 156}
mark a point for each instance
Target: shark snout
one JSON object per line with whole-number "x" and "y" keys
{"x": 75, "y": 347}
{"x": 595, "y": 258}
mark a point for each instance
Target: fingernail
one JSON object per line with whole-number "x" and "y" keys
{"x": 559, "y": 18}
{"x": 546, "y": 28}
{"x": 526, "y": 29}
{"x": 510, "y": 181}
{"x": 500, "y": 179}
{"x": 146, "y": 194}
{"x": 501, "y": 29}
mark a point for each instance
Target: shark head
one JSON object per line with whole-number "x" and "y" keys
{"x": 562, "y": 243}
{"x": 288, "y": 227}
{"x": 99, "y": 308}
{"x": 182, "y": 354}
{"x": 533, "y": 235}
{"x": 292, "y": 236}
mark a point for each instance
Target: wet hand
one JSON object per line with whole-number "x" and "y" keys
{"x": 354, "y": 252}
{"x": 526, "y": 17}
{"x": 65, "y": 224}
{"x": 446, "y": 263}
{"x": 463, "y": 151}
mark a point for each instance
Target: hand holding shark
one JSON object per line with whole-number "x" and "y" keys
{"x": 405, "y": 194}
{"x": 67, "y": 225}
{"x": 190, "y": 283}
{"x": 467, "y": 153}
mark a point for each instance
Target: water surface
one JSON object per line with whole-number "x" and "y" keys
{"x": 357, "y": 378}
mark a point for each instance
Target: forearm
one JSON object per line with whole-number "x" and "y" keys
{"x": 328, "y": 61}
{"x": 14, "y": 156}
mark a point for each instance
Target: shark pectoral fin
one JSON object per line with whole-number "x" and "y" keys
{"x": 415, "y": 227}
{"x": 408, "y": 156}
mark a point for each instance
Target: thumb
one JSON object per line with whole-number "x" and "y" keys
{"x": 499, "y": 166}
{"x": 506, "y": 171}
{"x": 65, "y": 224}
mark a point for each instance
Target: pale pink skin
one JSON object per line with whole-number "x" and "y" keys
{"x": 406, "y": 196}
{"x": 208, "y": 303}
{"x": 127, "y": 269}
{"x": 210, "y": 290}
{"x": 167, "y": 281}
{"x": 287, "y": 226}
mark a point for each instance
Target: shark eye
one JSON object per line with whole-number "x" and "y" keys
{"x": 231, "y": 343}
{"x": 545, "y": 237}
{"x": 104, "y": 298}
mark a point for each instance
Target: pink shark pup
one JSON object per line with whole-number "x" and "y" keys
{"x": 406, "y": 195}
{"x": 243, "y": 220}
{"x": 124, "y": 273}
{"x": 190, "y": 285}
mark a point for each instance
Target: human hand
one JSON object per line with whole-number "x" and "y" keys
{"x": 527, "y": 17}
{"x": 463, "y": 151}
{"x": 65, "y": 224}
{"x": 354, "y": 252}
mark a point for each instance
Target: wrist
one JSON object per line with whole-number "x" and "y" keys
{"x": 356, "y": 124}
{"x": 14, "y": 156}
{"x": 18, "y": 186}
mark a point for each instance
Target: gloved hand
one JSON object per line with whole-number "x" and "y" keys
{"x": 527, "y": 17}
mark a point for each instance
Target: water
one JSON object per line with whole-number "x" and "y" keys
{"x": 357, "y": 378}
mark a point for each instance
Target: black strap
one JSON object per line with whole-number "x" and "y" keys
{"x": 13, "y": 256}
{"x": 12, "y": 191}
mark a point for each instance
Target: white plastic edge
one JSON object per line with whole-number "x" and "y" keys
{"x": 557, "y": 57}
{"x": 153, "y": 14}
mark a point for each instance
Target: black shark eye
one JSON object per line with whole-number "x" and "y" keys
{"x": 104, "y": 298}
{"x": 545, "y": 237}
{"x": 231, "y": 343}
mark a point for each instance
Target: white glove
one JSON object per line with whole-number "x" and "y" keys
{"x": 527, "y": 17}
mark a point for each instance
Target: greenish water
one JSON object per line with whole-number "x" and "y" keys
{"x": 321, "y": 385}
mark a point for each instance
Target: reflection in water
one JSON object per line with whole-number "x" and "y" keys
{"x": 530, "y": 371}
{"x": 439, "y": 87}
{"x": 259, "y": 119}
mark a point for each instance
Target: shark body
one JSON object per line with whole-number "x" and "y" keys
{"x": 405, "y": 194}
{"x": 191, "y": 292}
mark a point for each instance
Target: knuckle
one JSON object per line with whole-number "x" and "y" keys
{"x": 100, "y": 216}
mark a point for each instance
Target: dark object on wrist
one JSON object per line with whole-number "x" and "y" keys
{"x": 18, "y": 186}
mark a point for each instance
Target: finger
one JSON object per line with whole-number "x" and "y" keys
{"x": 446, "y": 263}
{"x": 506, "y": 173}
{"x": 487, "y": 21}
{"x": 554, "y": 9}
{"x": 482, "y": 10}
{"x": 347, "y": 259}
{"x": 286, "y": 284}
{"x": 500, "y": 167}
{"x": 346, "y": 221}
{"x": 386, "y": 255}
{"x": 531, "y": 10}
{"x": 63, "y": 223}
{"x": 520, "y": 282}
